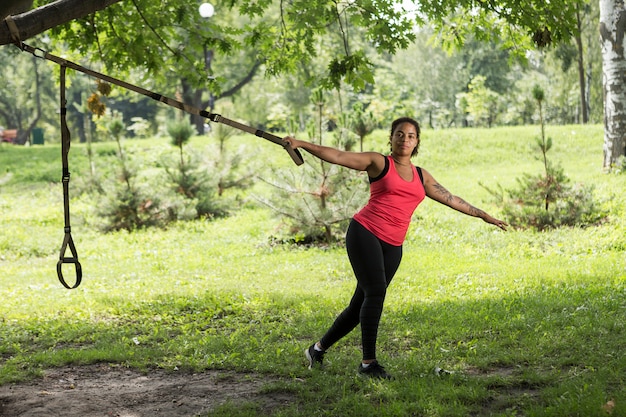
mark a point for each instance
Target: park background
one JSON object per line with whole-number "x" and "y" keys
{"x": 224, "y": 275}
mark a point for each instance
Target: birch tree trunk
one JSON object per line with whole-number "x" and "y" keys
{"x": 613, "y": 42}
{"x": 584, "y": 105}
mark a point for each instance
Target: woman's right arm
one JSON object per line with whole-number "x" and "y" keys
{"x": 372, "y": 162}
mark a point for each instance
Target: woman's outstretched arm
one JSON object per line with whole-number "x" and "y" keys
{"x": 372, "y": 162}
{"x": 439, "y": 193}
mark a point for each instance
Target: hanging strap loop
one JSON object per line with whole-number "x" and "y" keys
{"x": 67, "y": 240}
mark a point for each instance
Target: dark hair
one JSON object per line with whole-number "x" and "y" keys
{"x": 398, "y": 122}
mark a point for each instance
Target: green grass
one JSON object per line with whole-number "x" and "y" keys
{"x": 531, "y": 324}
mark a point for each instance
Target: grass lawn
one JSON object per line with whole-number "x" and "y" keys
{"x": 527, "y": 323}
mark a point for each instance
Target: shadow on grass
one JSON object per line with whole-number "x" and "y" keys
{"x": 556, "y": 350}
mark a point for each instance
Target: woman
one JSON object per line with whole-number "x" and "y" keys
{"x": 376, "y": 233}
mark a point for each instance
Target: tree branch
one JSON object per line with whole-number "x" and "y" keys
{"x": 46, "y": 17}
{"x": 10, "y": 7}
{"x": 244, "y": 81}
{"x": 153, "y": 30}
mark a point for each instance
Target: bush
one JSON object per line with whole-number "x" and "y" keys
{"x": 542, "y": 202}
{"x": 127, "y": 206}
{"x": 196, "y": 183}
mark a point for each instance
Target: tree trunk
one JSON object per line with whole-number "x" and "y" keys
{"x": 612, "y": 26}
{"x": 193, "y": 96}
{"x": 581, "y": 70}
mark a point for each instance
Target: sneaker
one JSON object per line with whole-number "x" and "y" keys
{"x": 442, "y": 372}
{"x": 315, "y": 357}
{"x": 374, "y": 370}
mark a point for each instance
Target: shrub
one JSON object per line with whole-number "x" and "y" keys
{"x": 128, "y": 206}
{"x": 542, "y": 202}
{"x": 195, "y": 183}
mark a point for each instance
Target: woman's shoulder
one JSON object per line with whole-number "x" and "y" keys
{"x": 420, "y": 172}
{"x": 380, "y": 169}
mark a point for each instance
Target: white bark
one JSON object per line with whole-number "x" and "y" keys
{"x": 613, "y": 42}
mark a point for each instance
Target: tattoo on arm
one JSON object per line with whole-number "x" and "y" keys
{"x": 444, "y": 195}
{"x": 471, "y": 210}
{"x": 461, "y": 205}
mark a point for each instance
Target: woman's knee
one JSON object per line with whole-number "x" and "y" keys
{"x": 376, "y": 288}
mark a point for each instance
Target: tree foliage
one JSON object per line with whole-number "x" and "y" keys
{"x": 512, "y": 21}
{"x": 480, "y": 103}
{"x": 160, "y": 35}
{"x": 286, "y": 35}
{"x": 421, "y": 81}
{"x": 23, "y": 100}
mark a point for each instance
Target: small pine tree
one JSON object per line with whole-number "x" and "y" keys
{"x": 127, "y": 205}
{"x": 547, "y": 200}
{"x": 362, "y": 122}
{"x": 203, "y": 180}
{"x": 319, "y": 198}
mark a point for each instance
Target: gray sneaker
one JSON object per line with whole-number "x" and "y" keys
{"x": 315, "y": 357}
{"x": 374, "y": 370}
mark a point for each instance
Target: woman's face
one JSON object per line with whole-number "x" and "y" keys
{"x": 404, "y": 140}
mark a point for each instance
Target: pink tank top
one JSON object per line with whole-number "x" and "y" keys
{"x": 391, "y": 204}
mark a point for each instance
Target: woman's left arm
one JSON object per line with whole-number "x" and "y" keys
{"x": 439, "y": 193}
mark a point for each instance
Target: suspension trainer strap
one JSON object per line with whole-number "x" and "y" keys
{"x": 294, "y": 153}
{"x": 65, "y": 137}
{"x": 67, "y": 240}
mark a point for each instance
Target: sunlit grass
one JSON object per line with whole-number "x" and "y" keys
{"x": 529, "y": 323}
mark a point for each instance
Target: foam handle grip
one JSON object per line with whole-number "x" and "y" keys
{"x": 295, "y": 155}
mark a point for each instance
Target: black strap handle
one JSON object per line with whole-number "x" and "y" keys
{"x": 67, "y": 240}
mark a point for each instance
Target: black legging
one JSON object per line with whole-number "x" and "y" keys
{"x": 374, "y": 263}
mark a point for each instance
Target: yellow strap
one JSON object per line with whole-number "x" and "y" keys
{"x": 15, "y": 33}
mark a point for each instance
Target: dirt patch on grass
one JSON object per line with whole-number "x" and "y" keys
{"x": 103, "y": 390}
{"x": 508, "y": 391}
